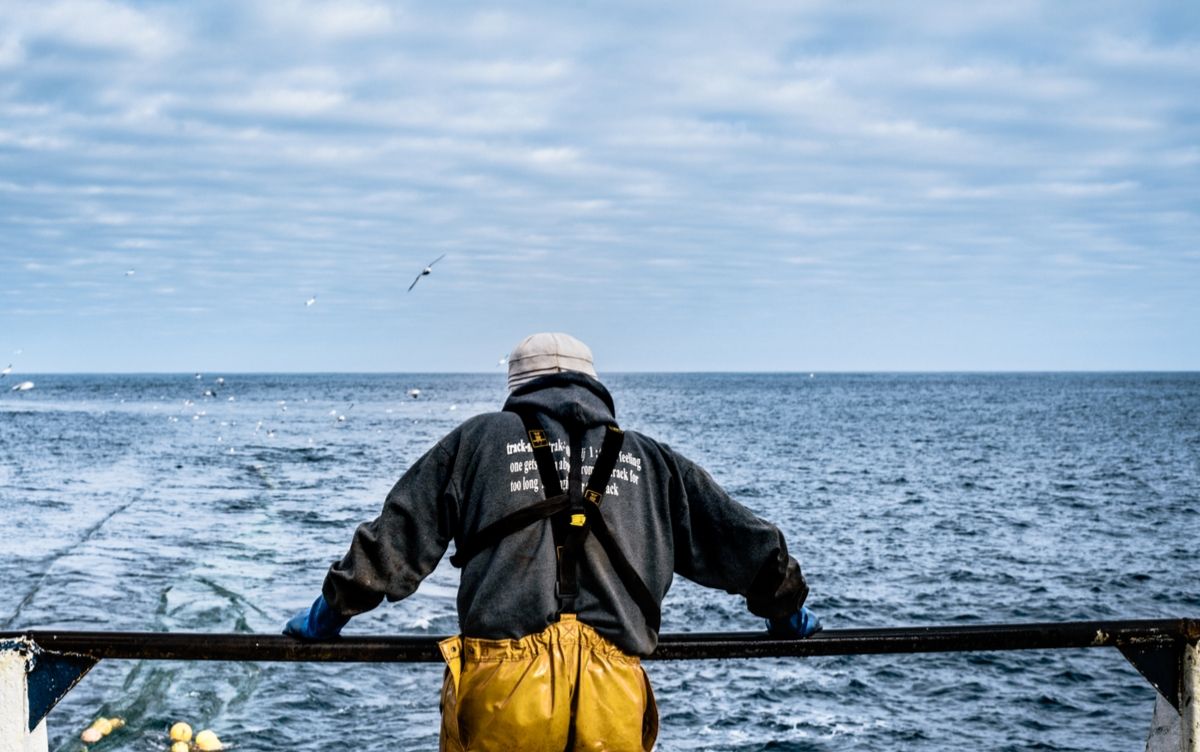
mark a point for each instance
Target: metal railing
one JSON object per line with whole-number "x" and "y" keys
{"x": 1164, "y": 651}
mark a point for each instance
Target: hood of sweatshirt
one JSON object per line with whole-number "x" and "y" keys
{"x": 569, "y": 398}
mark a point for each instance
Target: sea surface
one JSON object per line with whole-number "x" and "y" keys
{"x": 135, "y": 502}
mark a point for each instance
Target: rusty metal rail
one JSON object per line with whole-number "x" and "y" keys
{"x": 203, "y": 646}
{"x": 1165, "y": 651}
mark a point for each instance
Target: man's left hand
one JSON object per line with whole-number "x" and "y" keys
{"x": 320, "y": 622}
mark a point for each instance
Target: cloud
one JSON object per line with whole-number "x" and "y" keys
{"x": 284, "y": 101}
{"x": 1126, "y": 51}
{"x": 512, "y": 73}
{"x": 910, "y": 132}
{"x": 330, "y": 21}
{"x": 1086, "y": 190}
{"x": 956, "y": 193}
{"x": 92, "y": 24}
{"x": 11, "y": 51}
{"x": 32, "y": 141}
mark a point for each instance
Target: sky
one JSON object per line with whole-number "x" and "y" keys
{"x": 711, "y": 186}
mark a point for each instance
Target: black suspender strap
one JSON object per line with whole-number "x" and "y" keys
{"x": 566, "y": 584}
{"x": 629, "y": 577}
{"x": 610, "y": 451}
{"x": 540, "y": 441}
{"x": 522, "y": 518}
{"x": 569, "y": 548}
{"x": 573, "y": 513}
{"x": 555, "y": 500}
{"x": 614, "y": 438}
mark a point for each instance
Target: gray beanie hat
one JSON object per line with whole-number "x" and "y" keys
{"x": 547, "y": 352}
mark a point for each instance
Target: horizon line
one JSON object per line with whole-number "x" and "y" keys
{"x": 830, "y": 372}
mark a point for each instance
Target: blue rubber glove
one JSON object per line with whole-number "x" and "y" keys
{"x": 320, "y": 622}
{"x": 801, "y": 624}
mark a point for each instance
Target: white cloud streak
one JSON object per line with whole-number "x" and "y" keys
{"x": 90, "y": 24}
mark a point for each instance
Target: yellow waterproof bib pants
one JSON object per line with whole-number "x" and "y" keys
{"x": 565, "y": 688}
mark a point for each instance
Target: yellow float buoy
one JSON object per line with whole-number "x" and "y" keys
{"x": 116, "y": 722}
{"x": 181, "y": 732}
{"x": 180, "y": 747}
{"x": 207, "y": 741}
{"x": 103, "y": 725}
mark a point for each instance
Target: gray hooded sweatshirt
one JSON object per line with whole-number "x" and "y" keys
{"x": 667, "y": 514}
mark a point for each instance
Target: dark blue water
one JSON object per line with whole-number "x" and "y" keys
{"x": 908, "y": 499}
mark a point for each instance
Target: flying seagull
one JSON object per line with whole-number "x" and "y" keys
{"x": 426, "y": 271}
{"x": 308, "y": 303}
{"x": 7, "y": 370}
{"x": 24, "y": 386}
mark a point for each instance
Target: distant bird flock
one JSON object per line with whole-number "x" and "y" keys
{"x": 211, "y": 393}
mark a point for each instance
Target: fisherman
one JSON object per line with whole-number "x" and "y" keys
{"x": 568, "y": 531}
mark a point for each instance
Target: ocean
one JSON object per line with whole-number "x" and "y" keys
{"x": 136, "y": 502}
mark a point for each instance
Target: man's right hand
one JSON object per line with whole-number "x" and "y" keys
{"x": 803, "y": 623}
